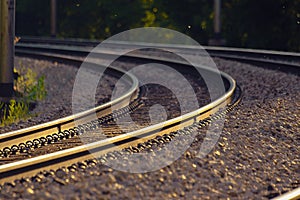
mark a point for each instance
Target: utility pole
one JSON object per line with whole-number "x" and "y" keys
{"x": 7, "y": 48}
{"x": 217, "y": 20}
{"x": 217, "y": 40}
{"x": 53, "y": 18}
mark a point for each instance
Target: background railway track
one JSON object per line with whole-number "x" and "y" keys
{"x": 82, "y": 54}
{"x": 283, "y": 61}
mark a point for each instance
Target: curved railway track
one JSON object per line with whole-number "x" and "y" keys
{"x": 12, "y": 141}
{"x": 64, "y": 128}
{"x": 282, "y": 61}
{"x": 198, "y": 118}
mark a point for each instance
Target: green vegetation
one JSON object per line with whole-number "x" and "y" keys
{"x": 267, "y": 24}
{"x": 14, "y": 112}
{"x": 30, "y": 89}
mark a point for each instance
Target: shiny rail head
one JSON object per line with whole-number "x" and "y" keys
{"x": 42, "y": 130}
{"x": 291, "y": 195}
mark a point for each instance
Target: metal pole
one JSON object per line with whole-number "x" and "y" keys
{"x": 217, "y": 20}
{"x": 217, "y": 39}
{"x": 7, "y": 48}
{"x": 53, "y": 18}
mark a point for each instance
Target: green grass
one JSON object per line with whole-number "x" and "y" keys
{"x": 30, "y": 89}
{"x": 14, "y": 112}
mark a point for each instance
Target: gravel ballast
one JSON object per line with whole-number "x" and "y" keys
{"x": 256, "y": 157}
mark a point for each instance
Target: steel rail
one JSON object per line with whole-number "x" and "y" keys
{"x": 221, "y": 51}
{"x": 291, "y": 195}
{"x": 42, "y": 130}
{"x": 27, "y": 167}
{"x": 282, "y": 61}
{"x": 93, "y": 43}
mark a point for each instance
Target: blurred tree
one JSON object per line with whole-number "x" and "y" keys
{"x": 97, "y": 18}
{"x": 268, "y": 24}
{"x": 191, "y": 17}
{"x": 32, "y": 17}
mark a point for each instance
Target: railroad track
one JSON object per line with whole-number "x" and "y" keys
{"x": 192, "y": 120}
{"x": 278, "y": 60}
{"x": 64, "y": 128}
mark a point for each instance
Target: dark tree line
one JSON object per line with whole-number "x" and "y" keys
{"x": 268, "y": 24}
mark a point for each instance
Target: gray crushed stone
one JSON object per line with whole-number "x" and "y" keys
{"x": 256, "y": 157}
